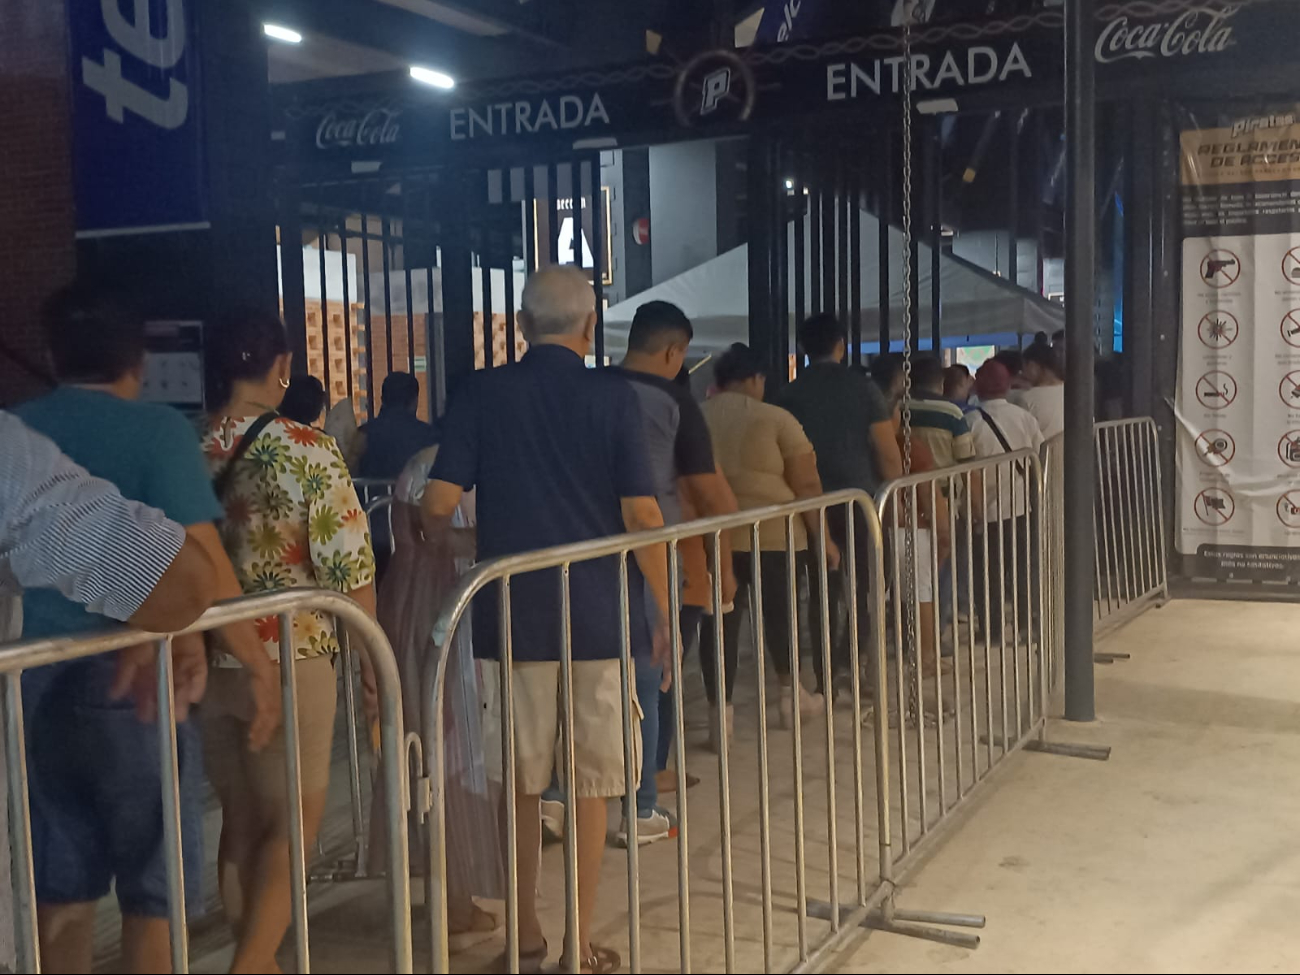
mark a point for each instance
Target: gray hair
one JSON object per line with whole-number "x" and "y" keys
{"x": 556, "y": 301}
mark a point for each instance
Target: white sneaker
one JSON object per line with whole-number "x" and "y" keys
{"x": 810, "y": 705}
{"x": 552, "y": 820}
{"x": 658, "y": 825}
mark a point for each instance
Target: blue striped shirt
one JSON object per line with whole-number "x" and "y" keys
{"x": 62, "y": 529}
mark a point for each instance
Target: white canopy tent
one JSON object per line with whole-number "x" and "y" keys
{"x": 973, "y": 302}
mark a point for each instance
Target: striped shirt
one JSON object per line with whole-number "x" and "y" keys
{"x": 62, "y": 529}
{"x": 942, "y": 425}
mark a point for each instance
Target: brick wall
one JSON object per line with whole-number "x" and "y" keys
{"x": 37, "y": 249}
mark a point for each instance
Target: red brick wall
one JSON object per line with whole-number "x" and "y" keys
{"x": 37, "y": 248}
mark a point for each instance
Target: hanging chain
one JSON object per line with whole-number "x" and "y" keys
{"x": 909, "y": 11}
{"x": 911, "y": 655}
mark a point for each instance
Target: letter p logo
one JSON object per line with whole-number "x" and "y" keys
{"x": 717, "y": 85}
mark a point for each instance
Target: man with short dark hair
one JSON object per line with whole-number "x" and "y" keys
{"x": 850, "y": 426}
{"x": 396, "y": 434}
{"x": 937, "y": 420}
{"x": 557, "y": 454}
{"x": 686, "y": 478}
{"x": 886, "y": 372}
{"x": 97, "y": 818}
{"x": 957, "y": 384}
{"x": 1045, "y": 397}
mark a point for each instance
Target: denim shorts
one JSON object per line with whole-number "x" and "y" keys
{"x": 95, "y": 789}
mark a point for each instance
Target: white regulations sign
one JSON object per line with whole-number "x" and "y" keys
{"x": 1238, "y": 401}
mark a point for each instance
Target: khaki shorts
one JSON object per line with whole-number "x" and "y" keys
{"x": 227, "y": 710}
{"x": 597, "y": 726}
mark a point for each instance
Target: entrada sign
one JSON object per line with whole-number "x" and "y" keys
{"x": 980, "y": 66}
{"x": 656, "y": 100}
{"x": 527, "y": 117}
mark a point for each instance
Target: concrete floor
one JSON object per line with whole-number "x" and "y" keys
{"x": 1165, "y": 858}
{"x": 1177, "y": 855}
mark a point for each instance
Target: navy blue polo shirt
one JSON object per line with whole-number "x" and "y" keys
{"x": 552, "y": 448}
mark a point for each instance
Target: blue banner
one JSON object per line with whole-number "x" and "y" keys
{"x": 137, "y": 141}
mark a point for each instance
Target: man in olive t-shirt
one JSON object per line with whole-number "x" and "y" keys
{"x": 846, "y": 417}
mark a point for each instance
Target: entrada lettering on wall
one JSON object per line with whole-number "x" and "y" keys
{"x": 528, "y": 117}
{"x": 980, "y": 66}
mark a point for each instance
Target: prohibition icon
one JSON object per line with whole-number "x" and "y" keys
{"x": 1288, "y": 448}
{"x": 1215, "y": 506}
{"x": 1219, "y": 329}
{"x": 1221, "y": 268}
{"x": 1291, "y": 265}
{"x": 1289, "y": 390}
{"x": 1216, "y": 447}
{"x": 1288, "y": 509}
{"x": 1291, "y": 328}
{"x": 1216, "y": 390}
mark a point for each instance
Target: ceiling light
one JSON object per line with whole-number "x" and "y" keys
{"x": 276, "y": 32}
{"x": 439, "y": 79}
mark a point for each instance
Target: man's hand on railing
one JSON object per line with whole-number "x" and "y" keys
{"x": 137, "y": 677}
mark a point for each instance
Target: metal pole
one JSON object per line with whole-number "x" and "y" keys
{"x": 1080, "y": 284}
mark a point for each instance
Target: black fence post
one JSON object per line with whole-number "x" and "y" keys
{"x": 1080, "y": 287}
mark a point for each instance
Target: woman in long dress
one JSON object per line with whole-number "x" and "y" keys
{"x": 421, "y": 574}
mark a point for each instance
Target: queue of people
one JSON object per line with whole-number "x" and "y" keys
{"x": 536, "y": 454}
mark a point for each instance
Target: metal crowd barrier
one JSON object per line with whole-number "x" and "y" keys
{"x": 969, "y": 683}
{"x": 20, "y": 656}
{"x": 1130, "y": 540}
{"x": 820, "y": 927}
{"x": 1052, "y": 455}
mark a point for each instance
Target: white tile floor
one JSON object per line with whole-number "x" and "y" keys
{"x": 1174, "y": 856}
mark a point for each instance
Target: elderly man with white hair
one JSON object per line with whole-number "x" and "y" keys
{"x": 557, "y": 454}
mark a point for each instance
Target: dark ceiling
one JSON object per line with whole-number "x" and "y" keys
{"x": 486, "y": 38}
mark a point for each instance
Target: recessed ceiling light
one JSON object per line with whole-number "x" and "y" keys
{"x": 439, "y": 79}
{"x": 276, "y": 32}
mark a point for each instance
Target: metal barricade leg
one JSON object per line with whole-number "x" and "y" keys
{"x": 27, "y": 943}
{"x": 293, "y": 770}
{"x": 171, "y": 810}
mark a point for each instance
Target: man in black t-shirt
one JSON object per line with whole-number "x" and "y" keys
{"x": 686, "y": 477}
{"x": 850, "y": 425}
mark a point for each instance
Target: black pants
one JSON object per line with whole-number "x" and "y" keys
{"x": 1008, "y": 555}
{"x": 778, "y": 644}
{"x": 837, "y": 524}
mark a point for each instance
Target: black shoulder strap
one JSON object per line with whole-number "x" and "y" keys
{"x": 997, "y": 430}
{"x": 222, "y": 481}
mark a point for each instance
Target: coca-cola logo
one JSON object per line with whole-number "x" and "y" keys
{"x": 378, "y": 127}
{"x": 1198, "y": 30}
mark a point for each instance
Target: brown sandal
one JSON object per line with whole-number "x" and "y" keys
{"x": 600, "y": 961}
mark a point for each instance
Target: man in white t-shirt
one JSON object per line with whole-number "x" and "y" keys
{"x": 1045, "y": 398}
{"x": 1001, "y": 427}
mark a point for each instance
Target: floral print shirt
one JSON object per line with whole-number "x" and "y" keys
{"x": 293, "y": 520}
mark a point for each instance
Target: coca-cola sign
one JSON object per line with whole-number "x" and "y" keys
{"x": 378, "y": 127}
{"x": 1197, "y": 30}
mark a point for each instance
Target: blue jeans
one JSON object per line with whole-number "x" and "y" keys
{"x": 689, "y": 622}
{"x": 96, "y": 794}
{"x": 648, "y": 679}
